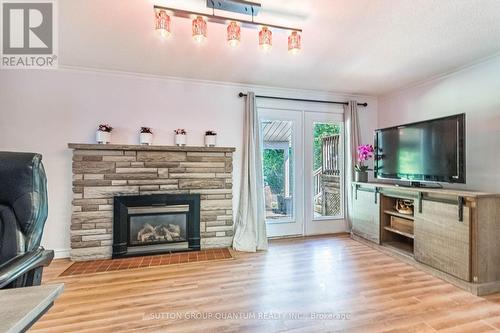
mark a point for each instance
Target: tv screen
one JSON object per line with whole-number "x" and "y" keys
{"x": 432, "y": 150}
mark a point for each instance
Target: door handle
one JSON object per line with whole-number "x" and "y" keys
{"x": 461, "y": 203}
{"x": 420, "y": 201}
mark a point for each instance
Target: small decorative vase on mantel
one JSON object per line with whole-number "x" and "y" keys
{"x": 103, "y": 134}
{"x": 180, "y": 137}
{"x": 210, "y": 139}
{"x": 365, "y": 152}
{"x": 146, "y": 136}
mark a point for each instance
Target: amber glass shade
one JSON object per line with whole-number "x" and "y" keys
{"x": 294, "y": 42}
{"x": 233, "y": 34}
{"x": 199, "y": 29}
{"x": 265, "y": 39}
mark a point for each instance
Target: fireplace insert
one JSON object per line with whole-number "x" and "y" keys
{"x": 157, "y": 223}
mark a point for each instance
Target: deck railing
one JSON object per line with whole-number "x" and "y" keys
{"x": 330, "y": 152}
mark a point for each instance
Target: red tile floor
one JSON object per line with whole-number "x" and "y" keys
{"x": 99, "y": 266}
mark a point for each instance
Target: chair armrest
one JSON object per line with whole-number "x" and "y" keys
{"x": 22, "y": 264}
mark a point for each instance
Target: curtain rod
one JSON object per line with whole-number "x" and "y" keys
{"x": 302, "y": 100}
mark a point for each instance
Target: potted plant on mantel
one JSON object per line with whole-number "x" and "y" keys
{"x": 103, "y": 134}
{"x": 365, "y": 152}
{"x": 146, "y": 136}
{"x": 180, "y": 137}
{"x": 210, "y": 139}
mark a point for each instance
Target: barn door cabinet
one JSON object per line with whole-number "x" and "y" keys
{"x": 366, "y": 217}
{"x": 442, "y": 236}
{"x": 452, "y": 234}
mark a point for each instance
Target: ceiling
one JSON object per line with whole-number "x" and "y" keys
{"x": 355, "y": 46}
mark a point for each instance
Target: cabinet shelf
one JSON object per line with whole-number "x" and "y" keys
{"x": 402, "y": 233}
{"x": 403, "y": 248}
{"x": 395, "y": 213}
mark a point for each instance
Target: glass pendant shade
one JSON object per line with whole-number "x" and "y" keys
{"x": 294, "y": 42}
{"x": 162, "y": 23}
{"x": 233, "y": 34}
{"x": 199, "y": 29}
{"x": 265, "y": 39}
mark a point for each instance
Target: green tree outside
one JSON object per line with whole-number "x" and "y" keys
{"x": 274, "y": 169}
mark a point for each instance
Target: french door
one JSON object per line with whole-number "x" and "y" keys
{"x": 282, "y": 156}
{"x": 302, "y": 157}
{"x": 324, "y": 170}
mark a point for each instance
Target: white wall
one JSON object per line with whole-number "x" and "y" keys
{"x": 41, "y": 111}
{"x": 475, "y": 91}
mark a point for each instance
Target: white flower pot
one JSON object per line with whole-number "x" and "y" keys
{"x": 146, "y": 139}
{"x": 210, "y": 140}
{"x": 103, "y": 137}
{"x": 180, "y": 139}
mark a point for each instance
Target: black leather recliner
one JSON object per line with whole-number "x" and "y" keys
{"x": 23, "y": 211}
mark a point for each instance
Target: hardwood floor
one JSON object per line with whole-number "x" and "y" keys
{"x": 321, "y": 284}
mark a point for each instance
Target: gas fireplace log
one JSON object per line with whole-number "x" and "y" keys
{"x": 148, "y": 233}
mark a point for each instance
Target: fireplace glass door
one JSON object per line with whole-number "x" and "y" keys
{"x": 157, "y": 225}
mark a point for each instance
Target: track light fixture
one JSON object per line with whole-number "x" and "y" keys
{"x": 199, "y": 26}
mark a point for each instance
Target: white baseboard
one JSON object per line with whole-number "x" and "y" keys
{"x": 61, "y": 253}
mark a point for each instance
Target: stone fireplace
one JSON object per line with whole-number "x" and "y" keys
{"x": 155, "y": 223}
{"x": 103, "y": 172}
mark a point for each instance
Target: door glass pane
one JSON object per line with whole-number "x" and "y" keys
{"x": 327, "y": 191}
{"x": 277, "y": 162}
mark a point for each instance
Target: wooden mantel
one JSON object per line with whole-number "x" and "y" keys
{"x": 95, "y": 146}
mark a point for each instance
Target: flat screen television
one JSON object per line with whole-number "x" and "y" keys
{"x": 427, "y": 151}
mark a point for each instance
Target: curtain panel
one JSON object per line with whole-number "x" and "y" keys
{"x": 250, "y": 225}
{"x": 352, "y": 143}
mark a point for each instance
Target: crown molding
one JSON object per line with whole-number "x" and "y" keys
{"x": 441, "y": 76}
{"x": 278, "y": 91}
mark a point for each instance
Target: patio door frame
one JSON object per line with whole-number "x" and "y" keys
{"x": 304, "y": 114}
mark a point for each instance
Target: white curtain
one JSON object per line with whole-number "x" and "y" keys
{"x": 352, "y": 143}
{"x": 250, "y": 226}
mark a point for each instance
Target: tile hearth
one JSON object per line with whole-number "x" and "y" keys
{"x": 100, "y": 266}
